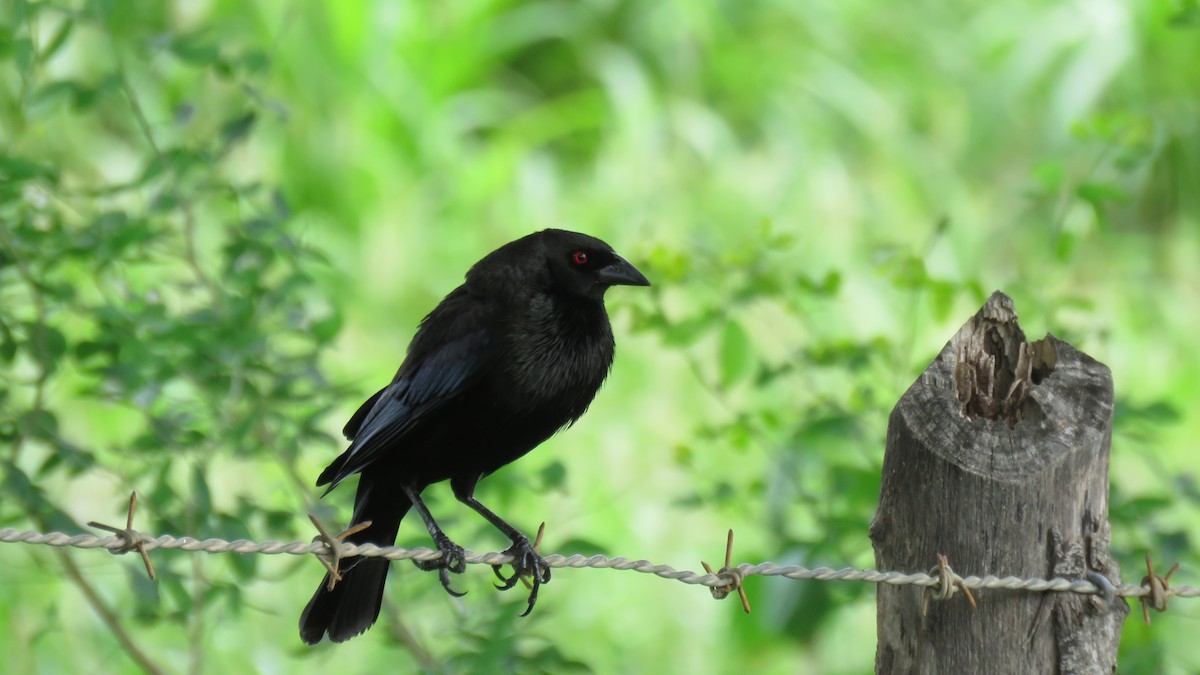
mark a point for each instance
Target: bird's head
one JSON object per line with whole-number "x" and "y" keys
{"x": 571, "y": 263}
{"x": 586, "y": 266}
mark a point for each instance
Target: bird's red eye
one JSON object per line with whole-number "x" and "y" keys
{"x": 579, "y": 258}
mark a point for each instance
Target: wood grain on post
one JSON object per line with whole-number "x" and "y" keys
{"x": 997, "y": 456}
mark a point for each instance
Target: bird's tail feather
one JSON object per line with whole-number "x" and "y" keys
{"x": 353, "y": 605}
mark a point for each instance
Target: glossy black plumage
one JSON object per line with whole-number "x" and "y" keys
{"x": 502, "y": 363}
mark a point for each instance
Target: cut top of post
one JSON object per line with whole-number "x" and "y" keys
{"x": 1039, "y": 399}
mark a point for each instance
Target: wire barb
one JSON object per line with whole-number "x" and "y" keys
{"x": 133, "y": 540}
{"x": 537, "y": 546}
{"x": 331, "y": 556}
{"x": 1160, "y": 591}
{"x": 947, "y": 584}
{"x": 733, "y": 574}
{"x": 1106, "y": 588}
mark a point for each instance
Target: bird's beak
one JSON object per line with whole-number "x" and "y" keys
{"x": 621, "y": 273}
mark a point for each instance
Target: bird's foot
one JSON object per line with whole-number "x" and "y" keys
{"x": 454, "y": 559}
{"x": 526, "y": 563}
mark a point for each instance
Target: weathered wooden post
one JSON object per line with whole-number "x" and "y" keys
{"x": 997, "y": 457}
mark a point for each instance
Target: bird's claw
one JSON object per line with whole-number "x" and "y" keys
{"x": 526, "y": 563}
{"x": 454, "y": 559}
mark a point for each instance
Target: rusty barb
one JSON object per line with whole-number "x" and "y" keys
{"x": 537, "y": 548}
{"x": 134, "y": 540}
{"x": 331, "y": 558}
{"x": 1160, "y": 590}
{"x": 948, "y": 584}
{"x": 732, "y": 573}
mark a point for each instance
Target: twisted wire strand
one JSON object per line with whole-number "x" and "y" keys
{"x": 577, "y": 561}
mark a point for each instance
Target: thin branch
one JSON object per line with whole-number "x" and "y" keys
{"x": 106, "y": 614}
{"x": 39, "y": 400}
{"x": 185, "y": 206}
{"x": 405, "y": 637}
{"x": 139, "y": 114}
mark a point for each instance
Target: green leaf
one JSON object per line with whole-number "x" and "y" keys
{"x": 279, "y": 204}
{"x": 1140, "y": 509}
{"x": 145, "y": 592}
{"x": 85, "y": 97}
{"x": 49, "y": 97}
{"x": 20, "y": 169}
{"x": 89, "y": 348}
{"x": 6, "y": 42}
{"x": 180, "y": 595}
{"x": 25, "y": 55}
{"x": 231, "y": 528}
{"x": 1186, "y": 16}
{"x": 582, "y": 546}
{"x": 828, "y": 285}
{"x": 326, "y": 329}
{"x": 98, "y": 9}
{"x": 8, "y": 343}
{"x": 909, "y": 272}
{"x": 1100, "y": 195}
{"x": 254, "y": 61}
{"x": 1156, "y": 412}
{"x": 805, "y": 608}
{"x": 177, "y": 160}
{"x": 1064, "y": 245}
{"x": 201, "y": 498}
{"x": 827, "y": 429}
{"x": 237, "y": 128}
{"x": 39, "y": 424}
{"x": 554, "y": 476}
{"x": 59, "y": 39}
{"x": 736, "y": 358}
{"x": 17, "y": 486}
{"x": 1049, "y": 175}
{"x": 195, "y": 48}
{"x": 75, "y": 459}
{"x": 688, "y": 331}
{"x": 45, "y": 344}
{"x": 8, "y": 428}
{"x": 942, "y": 296}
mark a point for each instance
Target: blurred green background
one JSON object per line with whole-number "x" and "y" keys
{"x": 220, "y": 222}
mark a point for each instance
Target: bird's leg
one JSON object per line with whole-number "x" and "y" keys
{"x": 453, "y": 557}
{"x": 526, "y": 561}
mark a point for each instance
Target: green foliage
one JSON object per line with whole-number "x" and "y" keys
{"x": 213, "y": 215}
{"x": 178, "y": 304}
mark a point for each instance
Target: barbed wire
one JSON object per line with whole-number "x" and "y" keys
{"x": 727, "y": 577}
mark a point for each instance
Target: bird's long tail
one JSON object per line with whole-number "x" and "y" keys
{"x": 353, "y": 604}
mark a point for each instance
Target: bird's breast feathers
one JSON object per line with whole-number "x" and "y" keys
{"x": 559, "y": 356}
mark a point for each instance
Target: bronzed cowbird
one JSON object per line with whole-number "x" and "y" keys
{"x": 508, "y": 358}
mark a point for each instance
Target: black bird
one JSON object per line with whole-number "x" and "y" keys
{"x": 502, "y": 363}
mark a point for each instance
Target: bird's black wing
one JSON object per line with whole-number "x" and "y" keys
{"x": 356, "y": 420}
{"x": 447, "y": 357}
